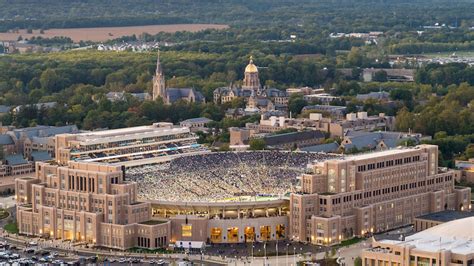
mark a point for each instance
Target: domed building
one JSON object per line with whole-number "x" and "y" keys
{"x": 251, "y": 79}
{"x": 257, "y": 98}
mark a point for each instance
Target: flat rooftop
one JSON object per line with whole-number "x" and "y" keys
{"x": 378, "y": 154}
{"x": 446, "y": 216}
{"x": 152, "y": 222}
{"x": 456, "y": 236}
{"x": 140, "y": 132}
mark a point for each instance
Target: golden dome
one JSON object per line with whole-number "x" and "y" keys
{"x": 251, "y": 68}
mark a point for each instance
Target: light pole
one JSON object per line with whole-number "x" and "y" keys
{"x": 294, "y": 256}
{"x": 265, "y": 253}
{"x": 276, "y": 247}
{"x": 253, "y": 246}
{"x": 287, "y": 246}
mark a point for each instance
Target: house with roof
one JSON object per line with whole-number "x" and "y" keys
{"x": 375, "y": 95}
{"x": 38, "y": 106}
{"x": 355, "y": 141}
{"x": 332, "y": 147}
{"x": 332, "y": 110}
{"x": 115, "y": 96}
{"x": 393, "y": 74}
{"x": 196, "y": 124}
{"x": 4, "y": 109}
{"x": 15, "y": 164}
{"x": 25, "y": 141}
{"x": 293, "y": 140}
{"x": 7, "y": 144}
{"x": 381, "y": 140}
{"x": 24, "y": 146}
{"x": 240, "y": 139}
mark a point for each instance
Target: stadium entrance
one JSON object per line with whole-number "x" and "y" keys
{"x": 216, "y": 235}
{"x": 265, "y": 233}
{"x": 233, "y": 235}
{"x": 280, "y": 231}
{"x": 249, "y": 234}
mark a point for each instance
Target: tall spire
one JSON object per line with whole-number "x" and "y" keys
{"x": 158, "y": 64}
{"x": 159, "y": 86}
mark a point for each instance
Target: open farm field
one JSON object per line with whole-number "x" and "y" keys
{"x": 101, "y": 34}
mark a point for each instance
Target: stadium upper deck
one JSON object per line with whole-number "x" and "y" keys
{"x": 130, "y": 147}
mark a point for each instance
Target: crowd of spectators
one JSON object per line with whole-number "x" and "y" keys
{"x": 223, "y": 176}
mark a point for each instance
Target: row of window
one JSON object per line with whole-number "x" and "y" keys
{"x": 369, "y": 194}
{"x": 372, "y": 166}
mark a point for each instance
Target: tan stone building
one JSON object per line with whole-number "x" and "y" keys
{"x": 89, "y": 203}
{"x": 466, "y": 170}
{"x": 433, "y": 219}
{"x": 371, "y": 193}
{"x": 336, "y": 128}
{"x": 447, "y": 244}
{"x": 256, "y": 96}
{"x": 225, "y": 222}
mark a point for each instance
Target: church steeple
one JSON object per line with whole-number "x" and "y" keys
{"x": 158, "y": 70}
{"x": 159, "y": 86}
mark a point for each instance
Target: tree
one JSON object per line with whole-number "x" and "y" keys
{"x": 407, "y": 142}
{"x": 357, "y": 261}
{"x": 257, "y": 144}
{"x": 440, "y": 135}
{"x": 405, "y": 120}
{"x": 380, "y": 76}
{"x": 469, "y": 151}
{"x": 50, "y": 81}
{"x": 296, "y": 104}
{"x": 355, "y": 57}
{"x": 404, "y": 95}
{"x": 238, "y": 102}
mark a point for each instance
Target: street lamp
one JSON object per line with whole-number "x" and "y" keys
{"x": 287, "y": 246}
{"x": 253, "y": 246}
{"x": 276, "y": 247}
{"x": 294, "y": 256}
{"x": 265, "y": 253}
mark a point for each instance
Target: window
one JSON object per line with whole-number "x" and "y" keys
{"x": 186, "y": 230}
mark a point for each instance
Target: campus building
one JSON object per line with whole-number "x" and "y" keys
{"x": 371, "y": 193}
{"x": 172, "y": 95}
{"x": 92, "y": 202}
{"x": 132, "y": 146}
{"x": 335, "y": 127}
{"x": 224, "y": 222}
{"x": 259, "y": 98}
{"x": 89, "y": 203}
{"x": 433, "y": 219}
{"x": 442, "y": 245}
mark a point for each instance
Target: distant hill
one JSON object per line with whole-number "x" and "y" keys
{"x": 335, "y": 15}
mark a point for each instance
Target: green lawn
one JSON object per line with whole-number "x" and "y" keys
{"x": 149, "y": 251}
{"x": 349, "y": 242}
{"x": 11, "y": 228}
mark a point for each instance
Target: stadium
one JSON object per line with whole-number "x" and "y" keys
{"x": 224, "y": 197}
